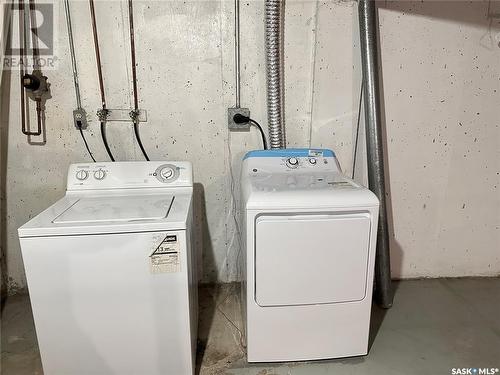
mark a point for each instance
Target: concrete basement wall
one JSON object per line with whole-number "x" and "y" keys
{"x": 3, "y": 266}
{"x": 440, "y": 64}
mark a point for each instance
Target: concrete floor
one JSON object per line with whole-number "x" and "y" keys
{"x": 434, "y": 326}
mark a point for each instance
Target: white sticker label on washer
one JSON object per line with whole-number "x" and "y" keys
{"x": 166, "y": 257}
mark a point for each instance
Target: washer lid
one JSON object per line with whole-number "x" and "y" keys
{"x": 117, "y": 209}
{"x": 112, "y": 212}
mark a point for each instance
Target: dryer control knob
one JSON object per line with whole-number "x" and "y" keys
{"x": 293, "y": 162}
{"x": 82, "y": 175}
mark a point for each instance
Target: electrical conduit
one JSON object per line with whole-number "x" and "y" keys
{"x": 274, "y": 10}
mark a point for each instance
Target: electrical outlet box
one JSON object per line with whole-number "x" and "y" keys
{"x": 234, "y": 126}
{"x": 80, "y": 118}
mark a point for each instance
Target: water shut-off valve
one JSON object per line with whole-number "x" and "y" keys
{"x": 36, "y": 85}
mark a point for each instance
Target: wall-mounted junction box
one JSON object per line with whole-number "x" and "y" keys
{"x": 80, "y": 118}
{"x": 234, "y": 126}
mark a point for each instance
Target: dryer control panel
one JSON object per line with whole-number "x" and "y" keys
{"x": 291, "y": 161}
{"x": 123, "y": 175}
{"x": 293, "y": 169}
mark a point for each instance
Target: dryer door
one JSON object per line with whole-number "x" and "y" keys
{"x": 311, "y": 259}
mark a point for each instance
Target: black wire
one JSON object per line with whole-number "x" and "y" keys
{"x": 105, "y": 140}
{"x": 132, "y": 53}
{"x": 264, "y": 142}
{"x": 138, "y": 138}
{"x": 134, "y": 78}
{"x": 85, "y": 142}
{"x": 357, "y": 129}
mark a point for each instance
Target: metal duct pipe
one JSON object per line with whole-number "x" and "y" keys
{"x": 376, "y": 180}
{"x": 274, "y": 65}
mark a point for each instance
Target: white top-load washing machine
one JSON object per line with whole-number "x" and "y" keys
{"x": 309, "y": 241}
{"x": 111, "y": 272}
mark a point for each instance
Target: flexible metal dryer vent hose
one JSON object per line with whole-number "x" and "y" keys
{"x": 274, "y": 66}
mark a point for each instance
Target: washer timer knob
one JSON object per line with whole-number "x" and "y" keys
{"x": 99, "y": 174}
{"x": 167, "y": 173}
{"x": 82, "y": 175}
{"x": 312, "y": 161}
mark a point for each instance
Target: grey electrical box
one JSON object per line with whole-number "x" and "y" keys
{"x": 234, "y": 126}
{"x": 80, "y": 118}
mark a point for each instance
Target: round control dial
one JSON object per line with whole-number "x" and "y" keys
{"x": 292, "y": 162}
{"x": 99, "y": 174}
{"x": 167, "y": 173}
{"x": 312, "y": 161}
{"x": 82, "y": 175}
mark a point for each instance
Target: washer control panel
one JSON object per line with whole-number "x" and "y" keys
{"x": 129, "y": 175}
{"x": 89, "y": 173}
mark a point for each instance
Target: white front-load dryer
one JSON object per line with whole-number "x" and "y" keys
{"x": 309, "y": 253}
